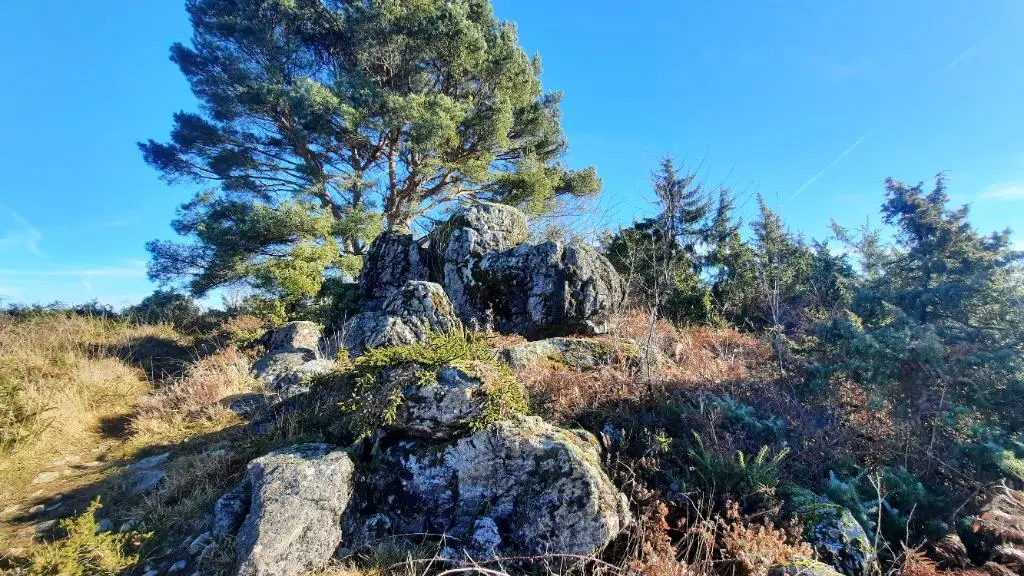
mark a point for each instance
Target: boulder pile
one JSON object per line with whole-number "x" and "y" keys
{"x": 486, "y": 486}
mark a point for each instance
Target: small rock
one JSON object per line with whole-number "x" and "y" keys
{"x": 151, "y": 462}
{"x": 37, "y": 509}
{"x": 88, "y": 465}
{"x": 178, "y": 566}
{"x": 151, "y": 572}
{"x": 811, "y": 568}
{"x": 229, "y": 512}
{"x": 46, "y": 477}
{"x": 104, "y": 525}
{"x": 145, "y": 481}
{"x": 200, "y": 543}
{"x": 297, "y": 496}
{"x": 129, "y": 525}
{"x": 45, "y": 526}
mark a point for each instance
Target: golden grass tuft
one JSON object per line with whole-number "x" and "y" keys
{"x": 189, "y": 404}
{"x": 67, "y": 372}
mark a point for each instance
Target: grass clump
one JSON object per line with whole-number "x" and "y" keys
{"x": 374, "y": 402}
{"x": 85, "y": 552}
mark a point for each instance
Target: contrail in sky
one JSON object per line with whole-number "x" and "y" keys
{"x": 957, "y": 60}
{"x": 827, "y": 168}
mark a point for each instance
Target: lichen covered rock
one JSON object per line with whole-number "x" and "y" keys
{"x": 291, "y": 359}
{"x": 452, "y": 400}
{"x": 299, "y": 336}
{"x": 295, "y": 497}
{"x": 838, "y": 538}
{"x": 517, "y": 487}
{"x": 408, "y": 316}
{"x": 392, "y": 259}
{"x": 808, "y": 568}
{"x": 576, "y": 353}
{"x": 289, "y": 373}
{"x": 497, "y": 281}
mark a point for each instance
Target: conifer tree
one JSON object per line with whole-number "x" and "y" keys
{"x": 322, "y": 121}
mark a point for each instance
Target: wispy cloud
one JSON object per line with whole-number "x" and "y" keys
{"x": 22, "y": 234}
{"x": 1007, "y": 191}
{"x": 959, "y": 58}
{"x": 831, "y": 164}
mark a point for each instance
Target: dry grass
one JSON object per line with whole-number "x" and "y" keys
{"x": 694, "y": 359}
{"x": 190, "y": 404}
{"x": 67, "y": 371}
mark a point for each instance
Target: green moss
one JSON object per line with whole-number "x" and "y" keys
{"x": 374, "y": 402}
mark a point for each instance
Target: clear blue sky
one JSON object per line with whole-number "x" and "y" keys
{"x": 812, "y": 104}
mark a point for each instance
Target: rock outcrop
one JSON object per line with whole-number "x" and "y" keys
{"x": 392, "y": 260}
{"x": 482, "y": 266}
{"x": 409, "y": 315}
{"x": 291, "y": 359}
{"x": 518, "y": 487}
{"x": 838, "y": 538}
{"x": 453, "y": 458}
{"x": 496, "y": 281}
{"x": 292, "y": 500}
{"x": 440, "y": 408}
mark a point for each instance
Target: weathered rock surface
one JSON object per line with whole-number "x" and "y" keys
{"x": 408, "y": 316}
{"x": 496, "y": 281}
{"x": 295, "y": 337}
{"x": 838, "y": 538}
{"x": 291, "y": 359}
{"x": 580, "y": 353}
{"x": 517, "y": 487}
{"x": 810, "y": 568}
{"x": 441, "y": 408}
{"x": 295, "y": 498}
{"x": 392, "y": 260}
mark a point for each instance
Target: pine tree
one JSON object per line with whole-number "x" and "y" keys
{"x": 323, "y": 121}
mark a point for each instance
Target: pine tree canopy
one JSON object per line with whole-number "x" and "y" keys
{"x": 322, "y": 121}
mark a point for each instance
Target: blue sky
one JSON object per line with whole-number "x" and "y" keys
{"x": 811, "y": 104}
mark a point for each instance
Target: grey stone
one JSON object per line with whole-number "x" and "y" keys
{"x": 151, "y": 572}
{"x": 408, "y": 316}
{"x": 45, "y": 526}
{"x": 580, "y": 353}
{"x": 374, "y": 329}
{"x": 808, "y": 568}
{"x": 104, "y": 525}
{"x": 301, "y": 336}
{"x": 289, "y": 373}
{"x": 46, "y": 477}
{"x": 196, "y": 547}
{"x": 838, "y": 538}
{"x": 152, "y": 461}
{"x": 496, "y": 281}
{"x": 540, "y": 488}
{"x": 297, "y": 496}
{"x": 441, "y": 407}
{"x": 145, "y": 481}
{"x": 178, "y": 566}
{"x": 392, "y": 259}
{"x": 129, "y": 525}
{"x": 245, "y": 404}
{"x": 230, "y": 510}
{"x": 37, "y": 509}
